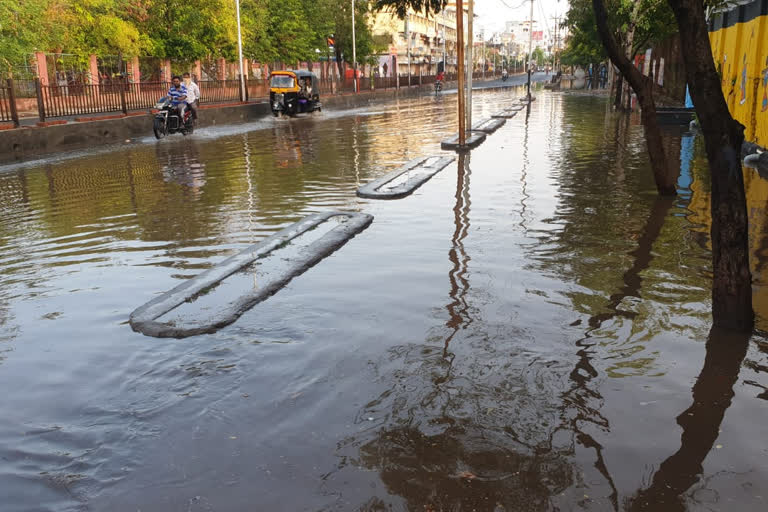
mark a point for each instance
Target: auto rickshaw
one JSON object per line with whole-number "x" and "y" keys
{"x": 294, "y": 92}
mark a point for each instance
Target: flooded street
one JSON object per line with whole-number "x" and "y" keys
{"x": 528, "y": 331}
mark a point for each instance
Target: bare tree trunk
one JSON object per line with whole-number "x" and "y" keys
{"x": 723, "y": 138}
{"x": 663, "y": 174}
{"x": 617, "y": 103}
{"x": 339, "y": 63}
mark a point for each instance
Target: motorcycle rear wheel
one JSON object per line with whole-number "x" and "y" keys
{"x": 158, "y": 126}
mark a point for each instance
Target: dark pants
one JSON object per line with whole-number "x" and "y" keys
{"x": 193, "y": 108}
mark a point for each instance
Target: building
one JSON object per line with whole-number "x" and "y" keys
{"x": 418, "y": 43}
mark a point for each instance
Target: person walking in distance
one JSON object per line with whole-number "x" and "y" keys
{"x": 193, "y": 95}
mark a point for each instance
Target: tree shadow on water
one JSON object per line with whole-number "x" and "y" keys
{"x": 712, "y": 395}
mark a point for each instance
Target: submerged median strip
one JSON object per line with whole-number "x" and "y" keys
{"x": 474, "y": 139}
{"x": 405, "y": 180}
{"x": 489, "y": 125}
{"x": 146, "y": 319}
{"x": 504, "y": 114}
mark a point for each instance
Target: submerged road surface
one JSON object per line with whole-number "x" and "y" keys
{"x": 530, "y": 330}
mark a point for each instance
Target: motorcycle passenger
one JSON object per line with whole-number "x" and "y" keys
{"x": 193, "y": 94}
{"x": 178, "y": 95}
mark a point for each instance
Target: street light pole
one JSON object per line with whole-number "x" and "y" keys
{"x": 354, "y": 47}
{"x": 445, "y": 64}
{"x": 408, "y": 38}
{"x": 530, "y": 52}
{"x": 240, "y": 52}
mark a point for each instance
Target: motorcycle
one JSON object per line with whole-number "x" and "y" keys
{"x": 504, "y": 76}
{"x": 168, "y": 121}
{"x": 438, "y": 85}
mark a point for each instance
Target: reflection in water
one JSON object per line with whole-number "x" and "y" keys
{"x": 712, "y": 395}
{"x": 582, "y": 394}
{"x": 458, "y": 309}
{"x": 408, "y": 378}
{"x": 183, "y": 168}
{"x": 452, "y": 447}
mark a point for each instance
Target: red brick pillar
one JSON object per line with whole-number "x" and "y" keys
{"x": 198, "y": 70}
{"x": 166, "y": 75}
{"x": 221, "y": 69}
{"x": 93, "y": 70}
{"x": 134, "y": 72}
{"x": 42, "y": 68}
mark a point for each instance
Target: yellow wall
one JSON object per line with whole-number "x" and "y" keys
{"x": 741, "y": 53}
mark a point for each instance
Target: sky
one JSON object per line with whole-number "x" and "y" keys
{"x": 491, "y": 14}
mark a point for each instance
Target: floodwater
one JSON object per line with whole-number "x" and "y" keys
{"x": 529, "y": 331}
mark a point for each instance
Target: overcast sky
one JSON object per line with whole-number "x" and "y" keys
{"x": 493, "y": 13}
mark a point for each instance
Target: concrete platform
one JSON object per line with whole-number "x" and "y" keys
{"x": 489, "y": 125}
{"x": 474, "y": 139}
{"x": 411, "y": 176}
{"x": 505, "y": 114}
{"x": 145, "y": 318}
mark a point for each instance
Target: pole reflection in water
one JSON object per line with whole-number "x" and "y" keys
{"x": 458, "y": 309}
{"x": 712, "y": 395}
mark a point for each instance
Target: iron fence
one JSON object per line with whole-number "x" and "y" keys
{"x": 8, "y": 110}
{"x": 65, "y": 100}
{"x": 219, "y": 91}
{"x": 122, "y": 95}
{"x": 144, "y": 95}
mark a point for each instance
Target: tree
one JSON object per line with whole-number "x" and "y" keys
{"x": 664, "y": 176}
{"x": 723, "y": 138}
{"x": 186, "y": 30}
{"x": 401, "y": 7}
{"x": 22, "y": 30}
{"x": 634, "y": 24}
{"x": 97, "y": 26}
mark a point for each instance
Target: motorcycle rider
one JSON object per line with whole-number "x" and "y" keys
{"x": 193, "y": 94}
{"x": 178, "y": 96}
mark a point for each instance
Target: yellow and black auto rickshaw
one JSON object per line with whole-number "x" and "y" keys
{"x": 294, "y": 92}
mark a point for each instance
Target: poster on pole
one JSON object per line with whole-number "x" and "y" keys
{"x": 647, "y": 62}
{"x": 661, "y": 72}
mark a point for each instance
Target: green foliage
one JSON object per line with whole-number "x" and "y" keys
{"x": 400, "y": 7}
{"x": 647, "y": 21}
{"x": 22, "y": 29}
{"x": 341, "y": 14}
{"x": 183, "y": 30}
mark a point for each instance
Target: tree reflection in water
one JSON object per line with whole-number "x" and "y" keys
{"x": 474, "y": 426}
{"x": 712, "y": 395}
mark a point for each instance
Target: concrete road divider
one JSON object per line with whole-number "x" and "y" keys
{"x": 473, "y": 140}
{"x": 405, "y": 180}
{"x": 145, "y": 319}
{"x": 489, "y": 125}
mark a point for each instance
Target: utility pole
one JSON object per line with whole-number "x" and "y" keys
{"x": 408, "y": 37}
{"x": 354, "y": 47}
{"x": 445, "y": 63}
{"x": 461, "y": 66}
{"x": 484, "y": 58}
{"x": 470, "y": 60}
{"x": 530, "y": 52}
{"x": 240, "y": 53}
